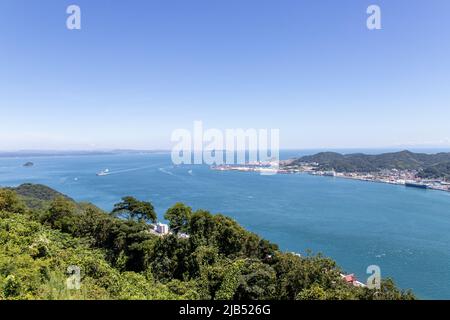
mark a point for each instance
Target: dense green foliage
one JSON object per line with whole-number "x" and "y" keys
{"x": 178, "y": 216}
{"x": 135, "y": 209}
{"x": 440, "y": 170}
{"x": 38, "y": 191}
{"x": 431, "y": 165}
{"x": 37, "y": 195}
{"x": 123, "y": 259}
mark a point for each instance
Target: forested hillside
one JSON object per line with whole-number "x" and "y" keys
{"x": 120, "y": 258}
{"x": 428, "y": 165}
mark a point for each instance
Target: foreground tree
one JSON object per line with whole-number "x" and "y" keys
{"x": 61, "y": 214}
{"x": 9, "y": 201}
{"x": 135, "y": 209}
{"x": 179, "y": 216}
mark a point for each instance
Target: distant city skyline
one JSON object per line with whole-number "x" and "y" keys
{"x": 138, "y": 70}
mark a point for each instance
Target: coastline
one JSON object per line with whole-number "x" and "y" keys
{"x": 368, "y": 177}
{"x": 387, "y": 182}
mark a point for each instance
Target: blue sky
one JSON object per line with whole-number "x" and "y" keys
{"x": 140, "y": 69}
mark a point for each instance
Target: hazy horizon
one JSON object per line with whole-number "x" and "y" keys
{"x": 331, "y": 149}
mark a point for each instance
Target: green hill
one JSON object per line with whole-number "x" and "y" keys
{"x": 38, "y": 191}
{"x": 433, "y": 165}
{"x": 120, "y": 258}
{"x": 37, "y": 195}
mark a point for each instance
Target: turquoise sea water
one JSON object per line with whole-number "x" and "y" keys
{"x": 405, "y": 231}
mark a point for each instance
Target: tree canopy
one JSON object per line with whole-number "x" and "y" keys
{"x": 135, "y": 209}
{"x": 178, "y": 216}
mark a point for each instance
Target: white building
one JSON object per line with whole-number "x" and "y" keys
{"x": 162, "y": 228}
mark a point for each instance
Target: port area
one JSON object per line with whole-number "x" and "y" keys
{"x": 393, "y": 179}
{"x": 406, "y": 178}
{"x": 259, "y": 166}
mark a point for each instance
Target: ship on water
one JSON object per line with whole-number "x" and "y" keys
{"x": 103, "y": 172}
{"x": 414, "y": 184}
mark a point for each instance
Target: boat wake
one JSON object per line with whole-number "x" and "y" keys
{"x": 166, "y": 172}
{"x": 108, "y": 173}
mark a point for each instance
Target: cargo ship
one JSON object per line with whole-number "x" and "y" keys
{"x": 414, "y": 184}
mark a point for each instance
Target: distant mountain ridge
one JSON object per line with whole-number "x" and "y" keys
{"x": 428, "y": 165}
{"x": 59, "y": 153}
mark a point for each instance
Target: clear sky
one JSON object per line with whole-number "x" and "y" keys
{"x": 137, "y": 70}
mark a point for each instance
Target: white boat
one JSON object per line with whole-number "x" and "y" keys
{"x": 103, "y": 172}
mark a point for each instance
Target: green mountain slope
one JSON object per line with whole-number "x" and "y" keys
{"x": 435, "y": 165}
